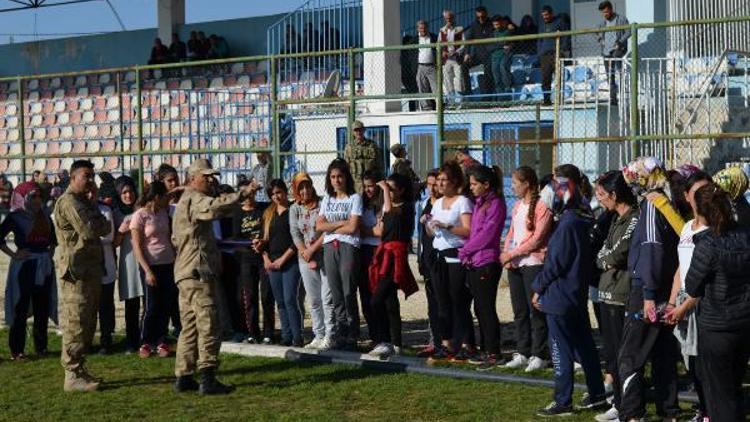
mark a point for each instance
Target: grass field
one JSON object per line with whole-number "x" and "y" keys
{"x": 267, "y": 389}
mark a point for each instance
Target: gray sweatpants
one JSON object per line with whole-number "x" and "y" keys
{"x": 319, "y": 298}
{"x": 341, "y": 261}
{"x": 427, "y": 84}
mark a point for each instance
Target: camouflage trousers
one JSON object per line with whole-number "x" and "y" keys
{"x": 78, "y": 315}
{"x": 200, "y": 338}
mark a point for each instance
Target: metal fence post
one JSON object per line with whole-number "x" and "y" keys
{"x": 139, "y": 127}
{"x": 439, "y": 103}
{"x": 556, "y": 105}
{"x": 634, "y": 117}
{"x": 352, "y": 115}
{"x": 22, "y": 124}
{"x": 275, "y": 126}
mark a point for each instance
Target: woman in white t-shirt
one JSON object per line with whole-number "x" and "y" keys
{"x": 107, "y": 296}
{"x": 450, "y": 223}
{"x": 339, "y": 219}
{"x": 683, "y": 312}
{"x": 372, "y": 203}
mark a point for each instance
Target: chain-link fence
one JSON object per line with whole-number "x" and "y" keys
{"x": 508, "y": 94}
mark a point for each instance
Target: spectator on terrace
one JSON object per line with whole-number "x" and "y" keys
{"x": 479, "y": 54}
{"x": 262, "y": 173}
{"x": 204, "y": 45}
{"x": 426, "y": 73}
{"x": 452, "y": 55}
{"x": 329, "y": 37}
{"x": 409, "y": 63}
{"x": 193, "y": 46}
{"x": 501, "y": 56}
{"x": 219, "y": 49}
{"x": 527, "y": 27}
{"x": 547, "y": 47}
{"x": 159, "y": 53}
{"x": 614, "y": 45}
{"x": 177, "y": 50}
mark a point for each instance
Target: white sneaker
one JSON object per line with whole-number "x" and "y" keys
{"x": 380, "y": 350}
{"x": 609, "y": 415}
{"x": 577, "y": 367}
{"x": 314, "y": 344}
{"x": 396, "y": 351}
{"x": 518, "y": 361}
{"x": 326, "y": 344}
{"x": 535, "y": 364}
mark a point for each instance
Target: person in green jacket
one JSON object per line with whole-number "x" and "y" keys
{"x": 501, "y": 55}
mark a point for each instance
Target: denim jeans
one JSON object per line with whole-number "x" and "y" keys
{"x": 285, "y": 286}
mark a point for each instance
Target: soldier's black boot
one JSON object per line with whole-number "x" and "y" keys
{"x": 211, "y": 386}
{"x": 185, "y": 383}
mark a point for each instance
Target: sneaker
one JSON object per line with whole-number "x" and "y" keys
{"x": 587, "y": 402}
{"x": 554, "y": 409}
{"x": 577, "y": 367}
{"x": 535, "y": 364}
{"x": 144, "y": 351}
{"x": 478, "y": 358}
{"x": 610, "y": 415}
{"x": 426, "y": 352}
{"x": 298, "y": 343}
{"x": 18, "y": 357}
{"x": 440, "y": 355}
{"x": 163, "y": 350}
{"x": 699, "y": 417}
{"x": 490, "y": 361}
{"x": 314, "y": 344}
{"x": 462, "y": 356}
{"x": 326, "y": 344}
{"x": 519, "y": 361}
{"x": 395, "y": 350}
{"x": 380, "y": 350}
{"x": 267, "y": 340}
{"x": 251, "y": 340}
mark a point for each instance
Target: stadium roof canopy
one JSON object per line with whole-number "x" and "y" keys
{"x": 15, "y": 5}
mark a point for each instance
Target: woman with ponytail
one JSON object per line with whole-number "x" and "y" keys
{"x": 718, "y": 277}
{"x": 523, "y": 256}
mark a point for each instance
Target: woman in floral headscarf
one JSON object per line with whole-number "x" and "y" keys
{"x": 30, "y": 276}
{"x": 733, "y": 181}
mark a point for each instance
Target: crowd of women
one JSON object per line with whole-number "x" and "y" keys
{"x": 664, "y": 255}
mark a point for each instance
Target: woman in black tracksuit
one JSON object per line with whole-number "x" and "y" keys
{"x": 718, "y": 275}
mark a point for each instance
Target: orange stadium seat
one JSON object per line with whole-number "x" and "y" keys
{"x": 78, "y": 133}
{"x": 3, "y": 165}
{"x": 2, "y": 122}
{"x": 70, "y": 92}
{"x": 100, "y": 103}
{"x": 173, "y": 84}
{"x": 75, "y": 117}
{"x": 200, "y": 83}
{"x": 91, "y": 132}
{"x": 79, "y": 146}
{"x": 3, "y": 136}
{"x": 53, "y": 164}
{"x": 48, "y": 107}
{"x": 49, "y": 119}
{"x": 46, "y": 94}
{"x": 111, "y": 163}
{"x": 53, "y": 147}
{"x": 109, "y": 145}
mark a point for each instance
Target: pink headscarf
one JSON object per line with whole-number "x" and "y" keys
{"x": 18, "y": 201}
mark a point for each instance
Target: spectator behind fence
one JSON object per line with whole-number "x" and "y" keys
{"x": 614, "y": 45}
{"x": 452, "y": 56}
{"x": 159, "y": 53}
{"x": 218, "y": 47}
{"x": 330, "y": 38}
{"x": 177, "y": 50}
{"x": 501, "y": 55}
{"x": 527, "y": 27}
{"x": 426, "y": 73}
{"x": 204, "y": 45}
{"x": 409, "y": 62}
{"x": 193, "y": 46}
{"x": 479, "y": 54}
{"x": 546, "y": 48}
{"x": 31, "y": 282}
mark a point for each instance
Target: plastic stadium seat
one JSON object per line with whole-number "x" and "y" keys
{"x": 164, "y": 99}
{"x": 36, "y": 108}
{"x": 40, "y": 134}
{"x": 81, "y": 80}
{"x": 66, "y": 147}
{"x": 33, "y": 84}
{"x": 100, "y": 116}
{"x": 113, "y": 115}
{"x": 40, "y": 164}
{"x": 95, "y": 90}
{"x": 46, "y": 94}
{"x": 13, "y": 96}
{"x": 104, "y": 79}
{"x": 243, "y": 81}
{"x": 3, "y": 136}
{"x": 92, "y": 132}
{"x": 174, "y": 112}
{"x": 116, "y": 131}
{"x": 216, "y": 83}
{"x": 12, "y": 122}
{"x": 33, "y": 96}
{"x": 113, "y": 103}
{"x": 72, "y": 104}
{"x": 53, "y": 133}
{"x": 2, "y": 109}
{"x": 98, "y": 163}
{"x": 157, "y": 73}
{"x": 2, "y": 122}
{"x": 160, "y": 85}
{"x": 186, "y": 84}
{"x": 75, "y": 117}
{"x": 15, "y": 149}
{"x": 104, "y": 131}
{"x": 111, "y": 163}
{"x": 49, "y": 119}
{"x": 65, "y": 163}
{"x": 59, "y": 94}
{"x": 535, "y": 76}
{"x": 70, "y": 92}
{"x": 13, "y": 86}
{"x": 55, "y": 83}
{"x": 11, "y": 110}
{"x": 109, "y": 145}
{"x": 93, "y": 147}
{"x": 110, "y": 90}
{"x": 237, "y": 68}
{"x": 130, "y": 76}
{"x": 88, "y": 117}
{"x": 582, "y": 73}
{"x": 87, "y": 104}
{"x": 79, "y": 132}
{"x": 13, "y": 135}
{"x": 83, "y": 92}
{"x": 53, "y": 165}
{"x": 519, "y": 77}
{"x": 100, "y": 103}
{"x": 40, "y": 148}
{"x": 63, "y": 118}
{"x": 230, "y": 80}
{"x": 36, "y": 120}
{"x": 4, "y": 148}
{"x": 66, "y": 132}
{"x": 47, "y": 107}
{"x": 79, "y": 147}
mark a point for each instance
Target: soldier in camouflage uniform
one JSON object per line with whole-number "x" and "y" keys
{"x": 197, "y": 268}
{"x": 402, "y": 165}
{"x": 79, "y": 261}
{"x": 362, "y": 155}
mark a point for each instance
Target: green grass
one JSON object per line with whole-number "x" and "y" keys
{"x": 267, "y": 389}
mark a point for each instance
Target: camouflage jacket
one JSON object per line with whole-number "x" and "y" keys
{"x": 79, "y": 227}
{"x": 198, "y": 255}
{"x": 362, "y": 157}
{"x": 403, "y": 166}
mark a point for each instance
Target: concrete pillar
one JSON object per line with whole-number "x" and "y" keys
{"x": 170, "y": 13}
{"x": 381, "y": 26}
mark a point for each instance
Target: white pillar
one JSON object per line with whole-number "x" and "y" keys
{"x": 170, "y": 13}
{"x": 381, "y": 26}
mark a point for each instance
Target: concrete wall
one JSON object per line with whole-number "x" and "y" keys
{"x": 246, "y": 37}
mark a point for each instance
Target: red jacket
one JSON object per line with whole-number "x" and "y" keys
{"x": 392, "y": 258}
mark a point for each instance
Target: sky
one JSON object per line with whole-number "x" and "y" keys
{"x": 96, "y": 16}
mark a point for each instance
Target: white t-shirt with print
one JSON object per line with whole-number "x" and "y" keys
{"x": 445, "y": 239}
{"x": 335, "y": 210}
{"x": 686, "y": 247}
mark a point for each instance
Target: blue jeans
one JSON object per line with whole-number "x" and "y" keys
{"x": 501, "y": 75}
{"x": 285, "y": 287}
{"x": 570, "y": 337}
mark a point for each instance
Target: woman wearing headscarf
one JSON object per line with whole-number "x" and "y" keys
{"x": 652, "y": 262}
{"x": 733, "y": 181}
{"x": 30, "y": 275}
{"x": 561, "y": 292}
{"x": 130, "y": 286}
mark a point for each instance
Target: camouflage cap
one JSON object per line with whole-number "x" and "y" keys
{"x": 202, "y": 166}
{"x": 398, "y": 150}
{"x": 358, "y": 125}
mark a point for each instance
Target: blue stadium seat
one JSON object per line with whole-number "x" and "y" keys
{"x": 518, "y": 61}
{"x": 582, "y": 73}
{"x": 733, "y": 59}
{"x": 535, "y": 76}
{"x": 532, "y": 60}
{"x": 519, "y": 77}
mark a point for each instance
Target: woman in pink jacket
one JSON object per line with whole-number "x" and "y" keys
{"x": 523, "y": 256}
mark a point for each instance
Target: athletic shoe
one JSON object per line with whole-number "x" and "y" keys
{"x": 699, "y": 417}
{"x": 610, "y": 415}
{"x": 18, "y": 357}
{"x": 314, "y": 344}
{"x": 577, "y": 367}
{"x": 519, "y": 361}
{"x": 535, "y": 363}
{"x": 478, "y": 358}
{"x": 462, "y": 356}
{"x": 251, "y": 340}
{"x": 554, "y": 409}
{"x": 588, "y": 403}
{"x": 326, "y": 344}
{"x": 490, "y": 361}
{"x": 380, "y": 350}
{"x": 440, "y": 355}
{"x": 163, "y": 350}
{"x": 395, "y": 350}
{"x": 286, "y": 343}
{"x": 267, "y": 340}
{"x": 298, "y": 343}
{"x": 426, "y": 352}
{"x": 144, "y": 351}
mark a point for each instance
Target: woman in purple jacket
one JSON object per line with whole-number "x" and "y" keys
{"x": 479, "y": 255}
